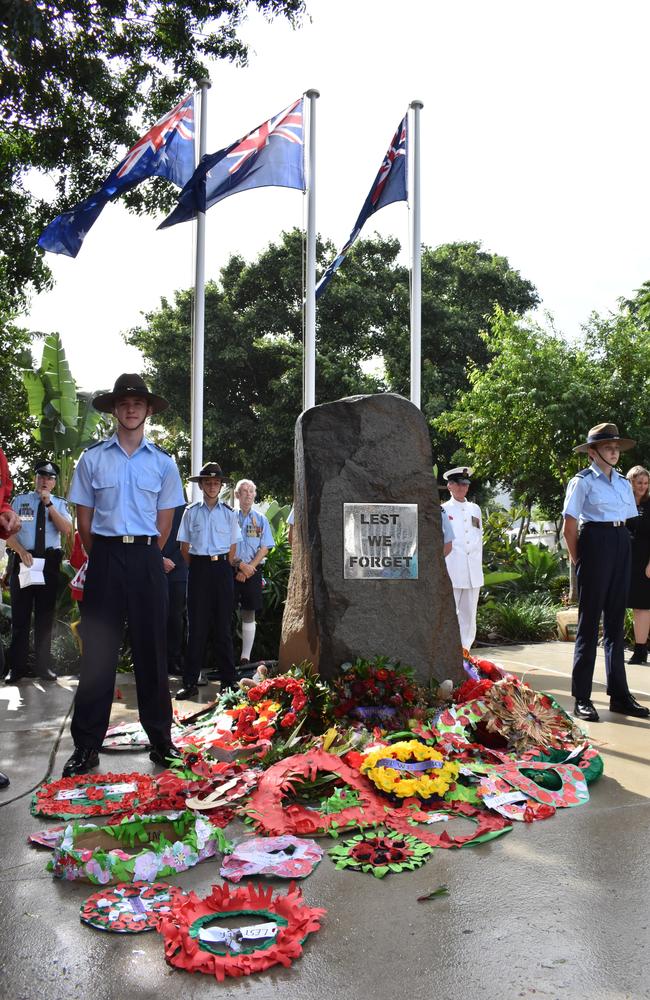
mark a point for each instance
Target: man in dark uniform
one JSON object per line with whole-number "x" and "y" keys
{"x": 125, "y": 489}
{"x": 598, "y": 502}
{"x": 208, "y": 534}
{"x": 176, "y": 572}
{"x": 44, "y": 519}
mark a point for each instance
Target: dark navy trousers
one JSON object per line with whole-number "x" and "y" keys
{"x": 124, "y": 583}
{"x": 210, "y": 598}
{"x": 603, "y": 577}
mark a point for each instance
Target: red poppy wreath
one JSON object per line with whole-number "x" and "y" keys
{"x": 415, "y": 822}
{"x": 197, "y": 939}
{"x": 272, "y": 816}
{"x": 94, "y": 795}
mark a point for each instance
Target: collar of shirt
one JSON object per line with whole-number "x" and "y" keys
{"x": 114, "y": 440}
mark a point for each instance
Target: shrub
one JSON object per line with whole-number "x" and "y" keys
{"x": 517, "y": 619}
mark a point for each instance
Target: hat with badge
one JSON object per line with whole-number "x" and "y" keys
{"x": 47, "y": 468}
{"x": 461, "y": 474}
{"x": 604, "y": 434}
{"x": 211, "y": 470}
{"x": 129, "y": 385}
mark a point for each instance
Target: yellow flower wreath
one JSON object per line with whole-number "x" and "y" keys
{"x": 399, "y": 782}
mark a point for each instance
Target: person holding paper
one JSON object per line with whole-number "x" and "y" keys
{"x": 44, "y": 519}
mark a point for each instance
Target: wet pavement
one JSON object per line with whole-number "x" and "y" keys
{"x": 555, "y": 909}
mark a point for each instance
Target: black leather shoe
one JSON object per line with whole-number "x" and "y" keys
{"x": 584, "y": 709}
{"x": 81, "y": 762}
{"x": 628, "y": 706}
{"x": 48, "y": 675}
{"x": 4, "y": 780}
{"x": 188, "y": 693}
{"x": 162, "y": 753}
{"x": 13, "y": 678}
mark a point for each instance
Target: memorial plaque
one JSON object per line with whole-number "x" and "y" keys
{"x": 380, "y": 541}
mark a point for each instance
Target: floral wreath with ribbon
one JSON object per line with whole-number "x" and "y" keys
{"x": 408, "y": 769}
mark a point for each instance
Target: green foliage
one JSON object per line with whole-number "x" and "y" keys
{"x": 498, "y": 550}
{"x": 537, "y": 567}
{"x": 15, "y": 438}
{"x": 64, "y": 421}
{"x": 80, "y": 83}
{"x": 529, "y": 618}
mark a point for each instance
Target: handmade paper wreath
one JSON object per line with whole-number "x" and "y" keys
{"x": 527, "y": 718}
{"x": 93, "y": 795}
{"x": 129, "y": 908}
{"x": 380, "y": 852}
{"x": 409, "y": 769}
{"x": 167, "y": 846}
{"x": 195, "y": 941}
{"x": 271, "y": 816}
{"x": 280, "y": 857}
{"x": 417, "y": 821}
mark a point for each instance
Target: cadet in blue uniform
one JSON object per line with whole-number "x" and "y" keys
{"x": 125, "y": 489}
{"x": 257, "y": 539}
{"x": 208, "y": 534}
{"x": 44, "y": 518}
{"x": 598, "y": 501}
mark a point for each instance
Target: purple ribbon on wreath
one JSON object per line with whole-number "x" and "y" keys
{"x": 410, "y": 765}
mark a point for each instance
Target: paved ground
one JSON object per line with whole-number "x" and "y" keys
{"x": 556, "y": 909}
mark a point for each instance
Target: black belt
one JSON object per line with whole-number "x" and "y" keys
{"x": 603, "y": 524}
{"x": 127, "y": 539}
{"x": 219, "y": 558}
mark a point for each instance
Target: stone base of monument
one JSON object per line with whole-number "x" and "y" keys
{"x": 368, "y": 575}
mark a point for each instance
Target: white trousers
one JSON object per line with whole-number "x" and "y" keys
{"x": 466, "y": 599}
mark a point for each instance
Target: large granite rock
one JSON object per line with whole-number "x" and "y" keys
{"x": 366, "y": 450}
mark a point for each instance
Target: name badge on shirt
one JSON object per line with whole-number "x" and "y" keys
{"x": 476, "y": 522}
{"x": 25, "y": 512}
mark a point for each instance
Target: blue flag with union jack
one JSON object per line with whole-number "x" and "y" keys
{"x": 167, "y": 150}
{"x": 269, "y": 156}
{"x": 389, "y": 185}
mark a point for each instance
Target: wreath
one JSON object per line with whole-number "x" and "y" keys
{"x": 380, "y": 852}
{"x": 271, "y": 816}
{"x": 378, "y": 692}
{"x": 195, "y": 940}
{"x": 129, "y": 908}
{"x": 408, "y": 769}
{"x": 168, "y": 845}
{"x": 94, "y": 795}
{"x": 415, "y": 819}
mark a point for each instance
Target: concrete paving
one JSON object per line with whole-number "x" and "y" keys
{"x": 555, "y": 909}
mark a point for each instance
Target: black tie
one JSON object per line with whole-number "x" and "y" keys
{"x": 39, "y": 540}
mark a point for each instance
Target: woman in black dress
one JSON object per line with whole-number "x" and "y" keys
{"x": 639, "y": 592}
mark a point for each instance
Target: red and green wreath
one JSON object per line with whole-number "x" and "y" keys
{"x": 271, "y": 815}
{"x": 379, "y": 852}
{"x": 129, "y": 907}
{"x": 378, "y": 692}
{"x": 415, "y": 819}
{"x": 98, "y": 795}
{"x": 197, "y": 940}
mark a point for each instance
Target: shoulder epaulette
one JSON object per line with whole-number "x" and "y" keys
{"x": 224, "y": 504}
{"x": 96, "y": 444}
{"x": 583, "y": 474}
{"x": 57, "y": 497}
{"x": 158, "y": 448}
{"x": 195, "y": 503}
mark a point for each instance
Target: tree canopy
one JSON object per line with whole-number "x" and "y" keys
{"x": 80, "y": 80}
{"x": 253, "y": 344}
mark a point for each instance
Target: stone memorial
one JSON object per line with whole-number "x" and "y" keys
{"x": 368, "y": 575}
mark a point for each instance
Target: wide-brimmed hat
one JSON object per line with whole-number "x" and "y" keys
{"x": 461, "y": 474}
{"x": 128, "y": 385}
{"x": 211, "y": 470}
{"x": 47, "y": 468}
{"x": 605, "y": 434}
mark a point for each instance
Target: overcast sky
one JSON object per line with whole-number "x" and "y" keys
{"x": 533, "y": 142}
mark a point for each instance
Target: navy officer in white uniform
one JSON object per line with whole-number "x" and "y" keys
{"x": 125, "y": 489}
{"x": 209, "y": 533}
{"x": 465, "y": 559}
{"x": 44, "y": 521}
{"x": 598, "y": 501}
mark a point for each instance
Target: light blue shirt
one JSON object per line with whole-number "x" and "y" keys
{"x": 448, "y": 533}
{"x": 126, "y": 491}
{"x": 596, "y": 497}
{"x": 26, "y": 506}
{"x": 209, "y": 532}
{"x": 255, "y": 532}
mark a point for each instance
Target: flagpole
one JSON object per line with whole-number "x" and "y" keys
{"x": 416, "y": 263}
{"x": 309, "y": 348}
{"x": 198, "y": 341}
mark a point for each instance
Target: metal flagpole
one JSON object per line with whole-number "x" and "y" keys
{"x": 309, "y": 348}
{"x": 199, "y": 312}
{"x": 416, "y": 263}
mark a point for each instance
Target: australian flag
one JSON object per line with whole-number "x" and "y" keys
{"x": 272, "y": 155}
{"x": 167, "y": 150}
{"x": 389, "y": 186}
